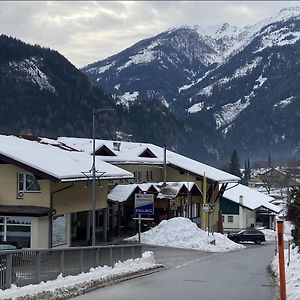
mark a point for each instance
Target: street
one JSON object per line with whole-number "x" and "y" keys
{"x": 200, "y": 275}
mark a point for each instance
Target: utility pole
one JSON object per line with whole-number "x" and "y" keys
{"x": 95, "y": 111}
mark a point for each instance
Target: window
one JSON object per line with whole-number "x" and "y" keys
{"x": 230, "y": 219}
{"x": 139, "y": 177}
{"x": 59, "y": 230}
{"x": 28, "y": 183}
{"x": 16, "y": 229}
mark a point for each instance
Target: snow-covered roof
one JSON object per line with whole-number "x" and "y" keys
{"x": 64, "y": 165}
{"x": 129, "y": 153}
{"x": 171, "y": 189}
{"x": 252, "y": 199}
{"x": 122, "y": 192}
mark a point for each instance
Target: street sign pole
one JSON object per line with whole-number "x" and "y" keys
{"x": 140, "y": 223}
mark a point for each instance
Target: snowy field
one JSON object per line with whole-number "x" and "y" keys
{"x": 74, "y": 284}
{"x": 182, "y": 233}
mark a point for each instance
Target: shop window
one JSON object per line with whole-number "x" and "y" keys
{"x": 16, "y": 230}
{"x": 59, "y": 230}
{"x": 28, "y": 183}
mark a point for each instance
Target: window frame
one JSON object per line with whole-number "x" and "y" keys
{"x": 24, "y": 188}
{"x": 230, "y": 219}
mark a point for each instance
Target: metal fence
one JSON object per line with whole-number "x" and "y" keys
{"x": 22, "y": 267}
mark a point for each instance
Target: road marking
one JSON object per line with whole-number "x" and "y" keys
{"x": 195, "y": 260}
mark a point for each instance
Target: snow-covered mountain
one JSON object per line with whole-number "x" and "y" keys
{"x": 42, "y": 93}
{"x": 242, "y": 82}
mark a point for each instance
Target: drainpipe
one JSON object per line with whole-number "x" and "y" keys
{"x": 50, "y": 235}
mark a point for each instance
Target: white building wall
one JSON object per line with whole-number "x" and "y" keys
{"x": 39, "y": 232}
{"x": 231, "y": 225}
{"x": 249, "y": 217}
{"x": 244, "y": 219}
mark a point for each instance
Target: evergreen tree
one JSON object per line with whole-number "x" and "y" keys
{"x": 234, "y": 165}
{"x": 246, "y": 173}
{"x": 293, "y": 213}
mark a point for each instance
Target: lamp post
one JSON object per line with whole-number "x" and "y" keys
{"x": 95, "y": 111}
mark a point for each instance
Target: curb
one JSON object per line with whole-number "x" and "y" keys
{"x": 274, "y": 280}
{"x": 85, "y": 287}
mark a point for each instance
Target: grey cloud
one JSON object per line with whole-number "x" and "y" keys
{"x": 86, "y": 31}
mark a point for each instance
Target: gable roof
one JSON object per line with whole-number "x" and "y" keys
{"x": 252, "y": 199}
{"x": 54, "y": 163}
{"x": 129, "y": 153}
{"x": 122, "y": 192}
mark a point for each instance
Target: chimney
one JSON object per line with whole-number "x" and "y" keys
{"x": 116, "y": 146}
{"x": 241, "y": 199}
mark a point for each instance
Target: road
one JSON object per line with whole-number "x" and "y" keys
{"x": 238, "y": 275}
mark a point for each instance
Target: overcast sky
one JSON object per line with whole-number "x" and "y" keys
{"x": 85, "y": 32}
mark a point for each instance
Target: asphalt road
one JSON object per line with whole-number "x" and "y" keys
{"x": 238, "y": 275}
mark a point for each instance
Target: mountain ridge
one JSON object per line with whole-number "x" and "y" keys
{"x": 223, "y": 76}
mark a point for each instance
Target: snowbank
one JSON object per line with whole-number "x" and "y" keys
{"x": 272, "y": 234}
{"x": 75, "y": 284}
{"x": 182, "y": 233}
{"x": 292, "y": 273}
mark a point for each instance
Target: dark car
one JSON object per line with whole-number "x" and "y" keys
{"x": 251, "y": 235}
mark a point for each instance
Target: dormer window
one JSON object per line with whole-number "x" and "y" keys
{"x": 27, "y": 183}
{"x": 148, "y": 154}
{"x": 104, "y": 151}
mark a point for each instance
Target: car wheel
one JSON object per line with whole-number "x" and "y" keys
{"x": 257, "y": 241}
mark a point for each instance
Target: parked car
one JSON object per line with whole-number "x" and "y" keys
{"x": 249, "y": 235}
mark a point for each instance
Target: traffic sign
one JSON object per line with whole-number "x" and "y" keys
{"x": 144, "y": 204}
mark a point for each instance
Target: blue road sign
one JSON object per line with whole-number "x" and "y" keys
{"x": 144, "y": 204}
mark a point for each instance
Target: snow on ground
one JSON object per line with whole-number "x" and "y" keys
{"x": 292, "y": 273}
{"x": 61, "y": 284}
{"x": 183, "y": 233}
{"x": 271, "y": 234}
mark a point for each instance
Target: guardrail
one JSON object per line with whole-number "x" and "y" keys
{"x": 23, "y": 267}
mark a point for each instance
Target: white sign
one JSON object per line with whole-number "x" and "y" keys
{"x": 144, "y": 204}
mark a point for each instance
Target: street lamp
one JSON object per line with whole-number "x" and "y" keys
{"x": 95, "y": 111}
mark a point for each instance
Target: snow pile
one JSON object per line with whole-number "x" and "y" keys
{"x": 272, "y": 234}
{"x": 75, "y": 284}
{"x": 183, "y": 233}
{"x": 292, "y": 273}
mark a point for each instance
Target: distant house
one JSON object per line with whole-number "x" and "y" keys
{"x": 45, "y": 195}
{"x": 146, "y": 162}
{"x": 244, "y": 207}
{"x": 275, "y": 179}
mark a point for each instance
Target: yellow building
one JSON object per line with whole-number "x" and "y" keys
{"x": 46, "y": 195}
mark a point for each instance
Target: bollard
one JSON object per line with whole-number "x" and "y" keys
{"x": 289, "y": 253}
{"x": 281, "y": 260}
